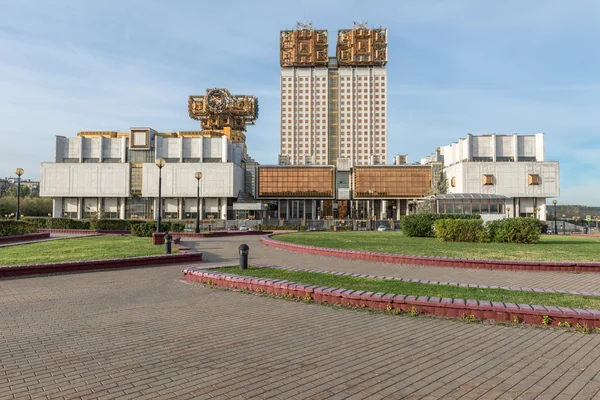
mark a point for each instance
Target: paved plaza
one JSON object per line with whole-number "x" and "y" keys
{"x": 145, "y": 333}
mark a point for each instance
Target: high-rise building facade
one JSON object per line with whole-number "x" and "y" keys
{"x": 333, "y": 107}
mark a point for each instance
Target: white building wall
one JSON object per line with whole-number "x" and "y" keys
{"x": 91, "y": 147}
{"x": 510, "y": 179}
{"x": 111, "y": 148}
{"x": 363, "y": 114}
{"x": 218, "y": 180}
{"x": 84, "y": 180}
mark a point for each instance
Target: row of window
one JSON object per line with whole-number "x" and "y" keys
{"x": 489, "y": 180}
{"x": 322, "y": 78}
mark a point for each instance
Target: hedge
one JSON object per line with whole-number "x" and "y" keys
{"x": 147, "y": 228}
{"x": 11, "y": 227}
{"x": 66, "y": 223}
{"x": 421, "y": 225}
{"x": 460, "y": 230}
{"x": 38, "y": 222}
{"x": 114, "y": 224}
{"x": 282, "y": 228}
{"x": 514, "y": 230}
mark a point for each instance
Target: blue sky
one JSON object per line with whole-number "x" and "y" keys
{"x": 454, "y": 67}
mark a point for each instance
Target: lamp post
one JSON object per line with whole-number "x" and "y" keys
{"x": 555, "y": 226}
{"x": 198, "y": 176}
{"x": 160, "y": 163}
{"x": 19, "y": 172}
{"x": 508, "y": 211}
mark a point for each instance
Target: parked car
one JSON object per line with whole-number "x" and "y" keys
{"x": 381, "y": 228}
{"x": 243, "y": 227}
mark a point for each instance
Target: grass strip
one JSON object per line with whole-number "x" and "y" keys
{"x": 79, "y": 249}
{"x": 550, "y": 247}
{"x": 419, "y": 289}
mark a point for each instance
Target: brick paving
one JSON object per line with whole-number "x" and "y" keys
{"x": 225, "y": 249}
{"x": 144, "y": 333}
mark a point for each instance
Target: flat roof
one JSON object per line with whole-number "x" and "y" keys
{"x": 449, "y": 196}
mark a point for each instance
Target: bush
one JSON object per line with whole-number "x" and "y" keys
{"x": 66, "y": 223}
{"x": 493, "y": 229}
{"x": 518, "y": 230}
{"x": 460, "y": 230}
{"x": 11, "y": 227}
{"x": 341, "y": 228}
{"x": 114, "y": 224}
{"x": 38, "y": 222}
{"x": 282, "y": 228}
{"x": 147, "y": 228}
{"x": 421, "y": 225}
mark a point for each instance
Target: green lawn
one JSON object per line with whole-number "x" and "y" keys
{"x": 419, "y": 289}
{"x": 550, "y": 248}
{"x": 79, "y": 249}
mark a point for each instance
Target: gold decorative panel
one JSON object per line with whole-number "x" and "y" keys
{"x": 304, "y": 47}
{"x": 295, "y": 181}
{"x": 362, "y": 46}
{"x": 219, "y": 109}
{"x": 453, "y": 182}
{"x": 533, "y": 179}
{"x": 392, "y": 181}
{"x": 96, "y": 134}
{"x": 488, "y": 179}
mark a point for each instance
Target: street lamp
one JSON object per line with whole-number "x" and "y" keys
{"x": 508, "y": 211}
{"x": 160, "y": 163}
{"x": 198, "y": 176}
{"x": 19, "y": 172}
{"x": 555, "y": 226}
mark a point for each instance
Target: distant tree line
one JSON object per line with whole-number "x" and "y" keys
{"x": 31, "y": 206}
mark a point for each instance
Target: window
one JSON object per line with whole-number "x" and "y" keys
{"x": 533, "y": 179}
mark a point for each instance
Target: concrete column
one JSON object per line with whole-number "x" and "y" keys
{"x": 515, "y": 148}
{"x": 224, "y": 149}
{"x": 57, "y": 207}
{"x": 180, "y": 209}
{"x": 181, "y": 150}
{"x": 122, "y": 206}
{"x": 201, "y": 210}
{"x": 123, "y": 149}
{"x": 101, "y": 149}
{"x": 314, "y": 209}
{"x": 494, "y": 147}
{"x": 155, "y": 214}
{"x": 542, "y": 214}
{"x": 384, "y": 209}
{"x": 397, "y": 216}
{"x": 539, "y": 147}
{"x": 287, "y": 209}
{"x": 469, "y": 155}
{"x": 224, "y": 207}
{"x": 79, "y": 207}
{"x": 81, "y": 149}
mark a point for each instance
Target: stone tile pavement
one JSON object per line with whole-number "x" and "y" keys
{"x": 145, "y": 334}
{"x": 225, "y": 249}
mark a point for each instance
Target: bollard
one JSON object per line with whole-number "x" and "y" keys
{"x": 244, "y": 250}
{"x": 260, "y": 227}
{"x": 168, "y": 239}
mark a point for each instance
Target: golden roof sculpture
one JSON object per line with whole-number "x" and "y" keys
{"x": 361, "y": 46}
{"x": 218, "y": 109}
{"x": 304, "y": 47}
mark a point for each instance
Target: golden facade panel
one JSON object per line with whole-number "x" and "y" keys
{"x": 488, "y": 180}
{"x": 296, "y": 182}
{"x": 533, "y": 179}
{"x": 304, "y": 47}
{"x": 96, "y": 134}
{"x": 392, "y": 181}
{"x": 362, "y": 46}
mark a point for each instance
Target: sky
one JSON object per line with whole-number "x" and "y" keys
{"x": 455, "y": 67}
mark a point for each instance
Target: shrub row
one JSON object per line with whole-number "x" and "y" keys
{"x": 11, "y": 227}
{"x": 146, "y": 229}
{"x": 282, "y": 228}
{"x": 460, "y": 230}
{"x": 421, "y": 225}
{"x": 511, "y": 230}
{"x": 341, "y": 228}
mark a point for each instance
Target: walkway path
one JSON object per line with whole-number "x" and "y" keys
{"x": 225, "y": 249}
{"x": 139, "y": 334}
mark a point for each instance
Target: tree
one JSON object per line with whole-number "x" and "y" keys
{"x": 25, "y": 191}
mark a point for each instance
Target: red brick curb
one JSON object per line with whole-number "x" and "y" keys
{"x": 114, "y": 263}
{"x": 31, "y": 237}
{"x": 218, "y": 234}
{"x": 514, "y": 265}
{"x": 446, "y": 307}
{"x": 85, "y": 231}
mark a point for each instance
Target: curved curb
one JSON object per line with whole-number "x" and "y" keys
{"x": 446, "y": 307}
{"x": 114, "y": 263}
{"x": 30, "y": 237}
{"x": 217, "y": 234}
{"x": 513, "y": 265}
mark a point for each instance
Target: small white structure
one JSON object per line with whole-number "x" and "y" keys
{"x": 509, "y": 165}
